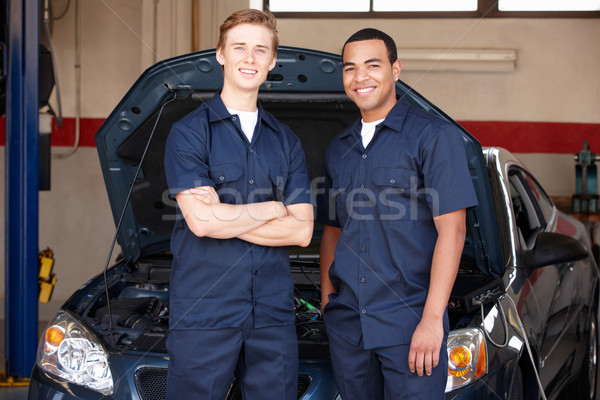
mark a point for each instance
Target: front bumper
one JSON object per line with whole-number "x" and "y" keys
{"x": 129, "y": 376}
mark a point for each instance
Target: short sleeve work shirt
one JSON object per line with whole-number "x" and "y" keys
{"x": 384, "y": 198}
{"x": 217, "y": 283}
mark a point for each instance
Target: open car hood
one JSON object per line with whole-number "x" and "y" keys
{"x": 300, "y": 76}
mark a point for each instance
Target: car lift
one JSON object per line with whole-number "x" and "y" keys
{"x": 21, "y": 188}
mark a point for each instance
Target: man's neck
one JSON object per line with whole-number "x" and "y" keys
{"x": 239, "y": 100}
{"x": 379, "y": 113}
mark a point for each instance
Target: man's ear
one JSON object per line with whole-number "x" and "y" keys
{"x": 273, "y": 62}
{"x": 219, "y": 56}
{"x": 396, "y": 68}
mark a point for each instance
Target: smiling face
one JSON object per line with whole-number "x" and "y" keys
{"x": 369, "y": 78}
{"x": 247, "y": 56}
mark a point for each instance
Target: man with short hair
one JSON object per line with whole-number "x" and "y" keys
{"x": 396, "y": 186}
{"x": 243, "y": 195}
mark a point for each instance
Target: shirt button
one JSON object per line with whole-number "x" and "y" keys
{"x": 362, "y": 186}
{"x": 392, "y": 181}
{"x": 363, "y": 311}
{"x": 251, "y": 151}
{"x": 234, "y": 118}
{"x": 255, "y": 272}
{"x": 251, "y": 181}
{"x": 362, "y": 217}
{"x": 363, "y": 249}
{"x": 363, "y": 280}
{"x": 222, "y": 178}
{"x": 364, "y": 156}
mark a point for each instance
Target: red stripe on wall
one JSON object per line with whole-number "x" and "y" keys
{"x": 65, "y": 135}
{"x": 535, "y": 137}
{"x": 518, "y": 137}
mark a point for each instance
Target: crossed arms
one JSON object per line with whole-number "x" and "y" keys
{"x": 269, "y": 223}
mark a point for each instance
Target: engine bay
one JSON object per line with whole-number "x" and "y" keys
{"x": 138, "y": 319}
{"x": 138, "y": 316}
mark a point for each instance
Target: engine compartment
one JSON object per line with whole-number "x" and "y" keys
{"x": 138, "y": 318}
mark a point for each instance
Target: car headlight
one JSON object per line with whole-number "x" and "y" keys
{"x": 70, "y": 351}
{"x": 467, "y": 357}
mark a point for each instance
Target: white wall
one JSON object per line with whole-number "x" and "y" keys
{"x": 556, "y": 79}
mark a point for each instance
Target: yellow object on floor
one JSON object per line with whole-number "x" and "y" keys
{"x": 12, "y": 381}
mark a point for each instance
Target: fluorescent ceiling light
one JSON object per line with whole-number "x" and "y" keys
{"x": 483, "y": 60}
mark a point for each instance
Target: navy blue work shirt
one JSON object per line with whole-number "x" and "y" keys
{"x": 217, "y": 283}
{"x": 384, "y": 198}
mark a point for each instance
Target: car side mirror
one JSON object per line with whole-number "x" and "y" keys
{"x": 554, "y": 248}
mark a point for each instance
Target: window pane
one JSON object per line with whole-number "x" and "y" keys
{"x": 424, "y": 5}
{"x": 543, "y": 200}
{"x": 319, "y": 6}
{"x": 549, "y": 5}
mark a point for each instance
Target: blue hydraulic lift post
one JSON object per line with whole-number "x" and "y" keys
{"x": 21, "y": 188}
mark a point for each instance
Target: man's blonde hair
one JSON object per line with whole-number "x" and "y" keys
{"x": 249, "y": 16}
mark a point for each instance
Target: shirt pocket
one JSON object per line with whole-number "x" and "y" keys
{"x": 226, "y": 177}
{"x": 396, "y": 188}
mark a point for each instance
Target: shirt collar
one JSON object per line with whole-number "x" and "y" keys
{"x": 218, "y": 112}
{"x": 394, "y": 120}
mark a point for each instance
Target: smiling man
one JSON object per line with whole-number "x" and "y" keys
{"x": 243, "y": 195}
{"x": 396, "y": 186}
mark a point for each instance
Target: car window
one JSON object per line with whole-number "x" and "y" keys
{"x": 526, "y": 209}
{"x": 545, "y": 204}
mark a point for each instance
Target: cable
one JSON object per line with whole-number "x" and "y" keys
{"x": 504, "y": 323}
{"x": 77, "y": 77}
{"x": 63, "y": 13}
{"x": 533, "y": 364}
{"x": 55, "y": 74}
{"x": 315, "y": 284}
{"x": 133, "y": 181}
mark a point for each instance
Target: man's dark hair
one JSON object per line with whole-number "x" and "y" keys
{"x": 370, "y": 34}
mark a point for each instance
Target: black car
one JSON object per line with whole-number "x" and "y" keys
{"x": 523, "y": 311}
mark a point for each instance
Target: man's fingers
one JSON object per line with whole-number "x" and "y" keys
{"x": 428, "y": 362}
{"x": 204, "y": 199}
{"x": 206, "y": 194}
{"x": 420, "y": 363}
{"x": 412, "y": 360}
{"x": 436, "y": 359}
{"x": 415, "y": 360}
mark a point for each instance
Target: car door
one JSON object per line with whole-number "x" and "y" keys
{"x": 555, "y": 288}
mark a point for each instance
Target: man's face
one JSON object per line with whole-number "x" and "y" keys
{"x": 369, "y": 78}
{"x": 247, "y": 56}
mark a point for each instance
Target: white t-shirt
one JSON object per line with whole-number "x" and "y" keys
{"x": 368, "y": 130}
{"x": 247, "y": 121}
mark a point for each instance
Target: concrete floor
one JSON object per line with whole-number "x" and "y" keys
{"x": 15, "y": 392}
{"x": 20, "y": 392}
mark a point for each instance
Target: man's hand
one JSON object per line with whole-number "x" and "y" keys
{"x": 425, "y": 346}
{"x": 206, "y": 194}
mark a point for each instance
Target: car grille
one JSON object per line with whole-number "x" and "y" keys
{"x": 235, "y": 393}
{"x": 151, "y": 384}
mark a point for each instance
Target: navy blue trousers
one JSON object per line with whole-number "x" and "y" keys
{"x": 383, "y": 373}
{"x": 202, "y": 363}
